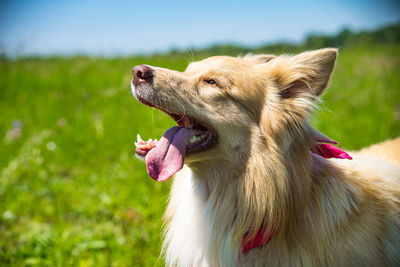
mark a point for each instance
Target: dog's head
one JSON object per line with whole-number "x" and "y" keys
{"x": 226, "y": 106}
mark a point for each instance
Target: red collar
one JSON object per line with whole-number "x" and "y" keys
{"x": 260, "y": 239}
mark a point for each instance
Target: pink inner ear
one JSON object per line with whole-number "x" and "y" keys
{"x": 329, "y": 151}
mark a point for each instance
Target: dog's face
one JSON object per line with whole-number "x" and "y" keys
{"x": 223, "y": 103}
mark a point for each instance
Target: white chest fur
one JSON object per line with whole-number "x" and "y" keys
{"x": 190, "y": 234}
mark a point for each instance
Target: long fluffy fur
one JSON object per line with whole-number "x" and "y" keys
{"x": 326, "y": 212}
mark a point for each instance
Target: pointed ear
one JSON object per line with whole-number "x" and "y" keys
{"x": 259, "y": 59}
{"x": 306, "y": 74}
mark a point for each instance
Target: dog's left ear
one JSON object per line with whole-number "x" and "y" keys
{"x": 306, "y": 74}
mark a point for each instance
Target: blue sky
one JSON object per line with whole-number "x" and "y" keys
{"x": 129, "y": 27}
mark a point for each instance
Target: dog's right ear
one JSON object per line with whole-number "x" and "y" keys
{"x": 295, "y": 83}
{"x": 259, "y": 59}
{"x": 303, "y": 75}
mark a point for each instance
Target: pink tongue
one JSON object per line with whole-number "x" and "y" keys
{"x": 166, "y": 158}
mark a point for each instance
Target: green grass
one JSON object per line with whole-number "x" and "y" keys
{"x": 71, "y": 191}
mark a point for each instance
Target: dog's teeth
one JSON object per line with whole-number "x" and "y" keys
{"x": 192, "y": 139}
{"x": 197, "y": 138}
{"x": 139, "y": 139}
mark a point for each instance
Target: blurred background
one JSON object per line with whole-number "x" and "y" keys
{"x": 71, "y": 191}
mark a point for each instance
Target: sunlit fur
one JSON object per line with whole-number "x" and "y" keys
{"x": 327, "y": 212}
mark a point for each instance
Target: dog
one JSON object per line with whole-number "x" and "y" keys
{"x": 255, "y": 184}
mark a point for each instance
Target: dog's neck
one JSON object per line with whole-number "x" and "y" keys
{"x": 261, "y": 191}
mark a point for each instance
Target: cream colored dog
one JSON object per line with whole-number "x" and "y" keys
{"x": 260, "y": 186}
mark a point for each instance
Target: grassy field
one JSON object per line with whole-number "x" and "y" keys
{"x": 71, "y": 191}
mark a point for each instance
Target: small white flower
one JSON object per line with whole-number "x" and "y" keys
{"x": 8, "y": 215}
{"x": 51, "y": 146}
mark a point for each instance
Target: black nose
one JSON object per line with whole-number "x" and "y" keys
{"x": 142, "y": 74}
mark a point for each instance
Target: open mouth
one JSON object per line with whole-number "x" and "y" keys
{"x": 165, "y": 157}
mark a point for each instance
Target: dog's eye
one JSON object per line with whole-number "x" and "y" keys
{"x": 211, "y": 82}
